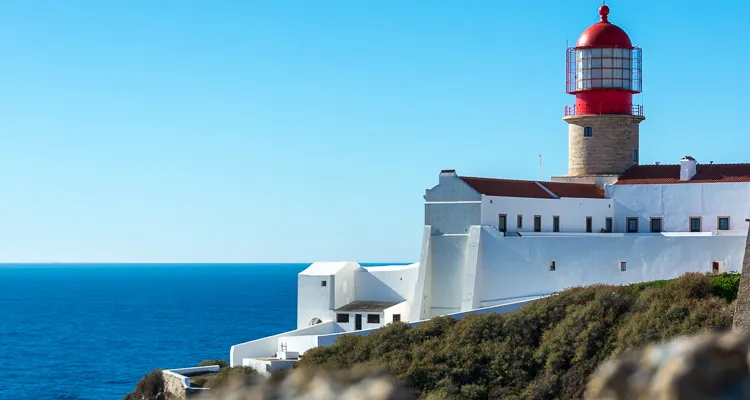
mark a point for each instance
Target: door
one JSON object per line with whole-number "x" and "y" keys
{"x": 358, "y": 322}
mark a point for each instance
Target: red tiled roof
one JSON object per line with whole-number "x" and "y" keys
{"x": 519, "y": 188}
{"x": 580, "y": 190}
{"x": 705, "y": 173}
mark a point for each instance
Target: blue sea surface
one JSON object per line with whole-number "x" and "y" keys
{"x": 92, "y": 331}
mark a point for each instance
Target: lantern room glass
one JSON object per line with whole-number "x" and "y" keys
{"x": 608, "y": 68}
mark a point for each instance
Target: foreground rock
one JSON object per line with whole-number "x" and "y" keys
{"x": 359, "y": 384}
{"x": 698, "y": 367}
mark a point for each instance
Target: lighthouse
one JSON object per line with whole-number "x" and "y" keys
{"x": 603, "y": 71}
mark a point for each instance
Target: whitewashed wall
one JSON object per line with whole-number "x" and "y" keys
{"x": 446, "y": 266}
{"x": 386, "y": 283}
{"x": 676, "y": 203}
{"x": 313, "y": 299}
{"x": 513, "y": 267}
{"x": 267, "y": 346}
{"x": 351, "y": 325}
{"x": 402, "y": 309}
{"x": 345, "y": 287}
{"x": 572, "y": 212}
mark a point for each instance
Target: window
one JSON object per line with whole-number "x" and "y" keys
{"x": 537, "y": 223}
{"x": 723, "y": 223}
{"x": 556, "y": 223}
{"x": 373, "y": 318}
{"x": 589, "y": 224}
{"x": 502, "y": 224}
{"x": 606, "y": 68}
{"x": 342, "y": 318}
{"x": 715, "y": 267}
{"x": 655, "y": 224}
{"x": 396, "y": 317}
{"x": 588, "y": 131}
{"x": 623, "y": 266}
{"x": 632, "y": 224}
{"x": 608, "y": 224}
{"x": 695, "y": 224}
{"x": 552, "y": 265}
{"x": 635, "y": 155}
{"x": 519, "y": 221}
{"x": 323, "y": 283}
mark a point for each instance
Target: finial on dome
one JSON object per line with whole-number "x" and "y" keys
{"x": 603, "y": 12}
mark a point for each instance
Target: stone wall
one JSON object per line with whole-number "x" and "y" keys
{"x": 610, "y": 148}
{"x": 174, "y": 389}
{"x": 741, "y": 321}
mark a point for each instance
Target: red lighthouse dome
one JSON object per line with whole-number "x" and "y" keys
{"x": 603, "y": 70}
{"x": 604, "y": 34}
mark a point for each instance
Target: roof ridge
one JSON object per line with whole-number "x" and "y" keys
{"x": 526, "y": 180}
{"x": 497, "y": 179}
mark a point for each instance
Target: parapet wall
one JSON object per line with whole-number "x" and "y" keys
{"x": 513, "y": 267}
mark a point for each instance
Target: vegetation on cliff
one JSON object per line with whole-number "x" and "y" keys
{"x": 546, "y": 350}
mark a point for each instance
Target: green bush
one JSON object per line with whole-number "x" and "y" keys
{"x": 148, "y": 387}
{"x": 246, "y": 375}
{"x": 726, "y": 286}
{"x": 545, "y": 350}
{"x": 220, "y": 363}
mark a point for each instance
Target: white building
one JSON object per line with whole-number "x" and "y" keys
{"x": 496, "y": 244}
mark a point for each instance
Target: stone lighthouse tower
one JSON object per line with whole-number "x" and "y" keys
{"x": 603, "y": 71}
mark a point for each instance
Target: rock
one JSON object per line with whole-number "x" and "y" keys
{"x": 713, "y": 366}
{"x": 357, "y": 384}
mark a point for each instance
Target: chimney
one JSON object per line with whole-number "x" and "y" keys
{"x": 687, "y": 168}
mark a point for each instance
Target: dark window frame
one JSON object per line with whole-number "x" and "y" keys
{"x": 396, "y": 317}
{"x": 718, "y": 224}
{"x": 651, "y": 224}
{"x": 627, "y": 225}
{"x": 342, "y": 318}
{"x": 323, "y": 283}
{"x": 537, "y": 223}
{"x": 700, "y": 224}
{"x": 608, "y": 224}
{"x": 504, "y": 219}
{"x": 635, "y": 155}
{"x": 588, "y": 131}
{"x": 555, "y": 223}
{"x": 622, "y": 265}
{"x": 552, "y": 266}
{"x": 589, "y": 224}
{"x": 519, "y": 221}
{"x": 373, "y": 318}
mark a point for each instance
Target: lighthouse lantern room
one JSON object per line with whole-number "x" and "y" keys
{"x": 603, "y": 71}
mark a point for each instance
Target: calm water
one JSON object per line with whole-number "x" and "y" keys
{"x": 92, "y": 331}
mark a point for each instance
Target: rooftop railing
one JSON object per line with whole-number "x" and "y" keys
{"x": 635, "y": 109}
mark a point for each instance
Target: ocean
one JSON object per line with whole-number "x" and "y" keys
{"x": 92, "y": 331}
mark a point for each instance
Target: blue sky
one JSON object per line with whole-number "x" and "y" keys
{"x": 283, "y": 131}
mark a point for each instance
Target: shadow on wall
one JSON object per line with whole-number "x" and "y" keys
{"x": 369, "y": 287}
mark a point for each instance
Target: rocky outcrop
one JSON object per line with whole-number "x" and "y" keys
{"x": 699, "y": 367}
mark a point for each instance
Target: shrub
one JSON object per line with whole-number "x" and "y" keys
{"x": 151, "y": 385}
{"x": 545, "y": 350}
{"x": 220, "y": 363}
